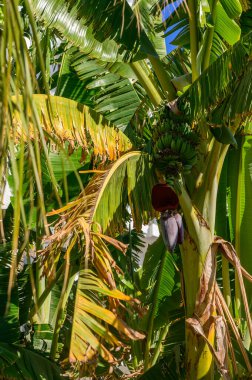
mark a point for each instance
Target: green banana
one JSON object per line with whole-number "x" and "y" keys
{"x": 164, "y": 141}
{"x": 158, "y": 146}
{"x": 173, "y": 144}
{"x": 178, "y": 145}
{"x": 183, "y": 147}
{"x": 188, "y": 151}
{"x": 168, "y": 140}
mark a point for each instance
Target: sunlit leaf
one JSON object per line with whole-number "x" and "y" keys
{"x": 77, "y": 124}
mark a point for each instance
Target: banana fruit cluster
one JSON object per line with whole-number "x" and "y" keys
{"x": 175, "y": 145}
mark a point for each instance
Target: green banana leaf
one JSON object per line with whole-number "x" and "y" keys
{"x": 226, "y": 29}
{"x": 246, "y": 18}
{"x": 236, "y": 107}
{"x": 18, "y": 363}
{"x": 233, "y": 8}
{"x": 169, "y": 366}
{"x": 24, "y": 294}
{"x": 149, "y": 22}
{"x": 9, "y": 308}
{"x": 243, "y": 216}
{"x": 159, "y": 285}
{"x": 102, "y": 29}
{"x": 231, "y": 70}
{"x": 106, "y": 87}
{"x": 234, "y": 217}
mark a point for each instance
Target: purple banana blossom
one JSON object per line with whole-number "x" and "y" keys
{"x": 172, "y": 229}
{"x": 179, "y": 221}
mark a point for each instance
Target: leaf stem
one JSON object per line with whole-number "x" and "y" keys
{"x": 206, "y": 195}
{"x": 46, "y": 292}
{"x": 226, "y": 282}
{"x": 209, "y": 38}
{"x": 163, "y": 77}
{"x": 40, "y": 55}
{"x": 66, "y": 288}
{"x": 152, "y": 314}
{"x": 237, "y": 232}
{"x": 158, "y": 347}
{"x": 192, "y": 6}
{"x": 146, "y": 82}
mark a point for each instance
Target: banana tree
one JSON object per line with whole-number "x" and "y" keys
{"x": 177, "y": 136}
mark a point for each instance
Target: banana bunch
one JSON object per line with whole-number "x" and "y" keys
{"x": 174, "y": 145}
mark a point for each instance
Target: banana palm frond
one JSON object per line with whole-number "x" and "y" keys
{"x": 120, "y": 184}
{"x": 246, "y": 17}
{"x": 106, "y": 30}
{"x": 170, "y": 365}
{"x": 225, "y": 26}
{"x": 150, "y": 21}
{"x": 178, "y": 20}
{"x": 91, "y": 317}
{"x": 218, "y": 22}
{"x": 158, "y": 262}
{"x": 9, "y": 319}
{"x": 96, "y": 311}
{"x": 100, "y": 208}
{"x": 231, "y": 70}
{"x": 161, "y": 295}
{"x": 238, "y": 199}
{"x": 237, "y": 108}
{"x": 17, "y": 363}
{"x": 66, "y": 120}
{"x": 106, "y": 87}
{"x": 177, "y": 62}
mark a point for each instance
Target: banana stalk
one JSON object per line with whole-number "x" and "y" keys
{"x": 199, "y": 269}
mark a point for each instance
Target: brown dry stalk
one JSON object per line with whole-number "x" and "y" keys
{"x": 229, "y": 250}
{"x": 229, "y": 257}
{"x": 230, "y": 346}
{"x": 234, "y": 327}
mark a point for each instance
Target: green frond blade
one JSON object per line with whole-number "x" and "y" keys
{"x": 217, "y": 82}
{"x": 103, "y": 29}
{"x": 9, "y": 312}
{"x": 17, "y": 363}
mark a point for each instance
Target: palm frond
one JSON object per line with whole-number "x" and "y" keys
{"x": 106, "y": 30}
{"x": 106, "y": 87}
{"x": 120, "y": 184}
{"x": 237, "y": 108}
{"x": 17, "y": 363}
{"x": 89, "y": 319}
{"x": 9, "y": 317}
{"x": 158, "y": 281}
{"x": 246, "y": 16}
{"x": 224, "y": 29}
{"x": 228, "y": 70}
{"x": 69, "y": 121}
{"x": 169, "y": 366}
{"x": 149, "y": 21}
{"x": 100, "y": 207}
{"x": 238, "y": 200}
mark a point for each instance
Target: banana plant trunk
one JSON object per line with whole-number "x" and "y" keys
{"x": 199, "y": 287}
{"x": 199, "y": 269}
